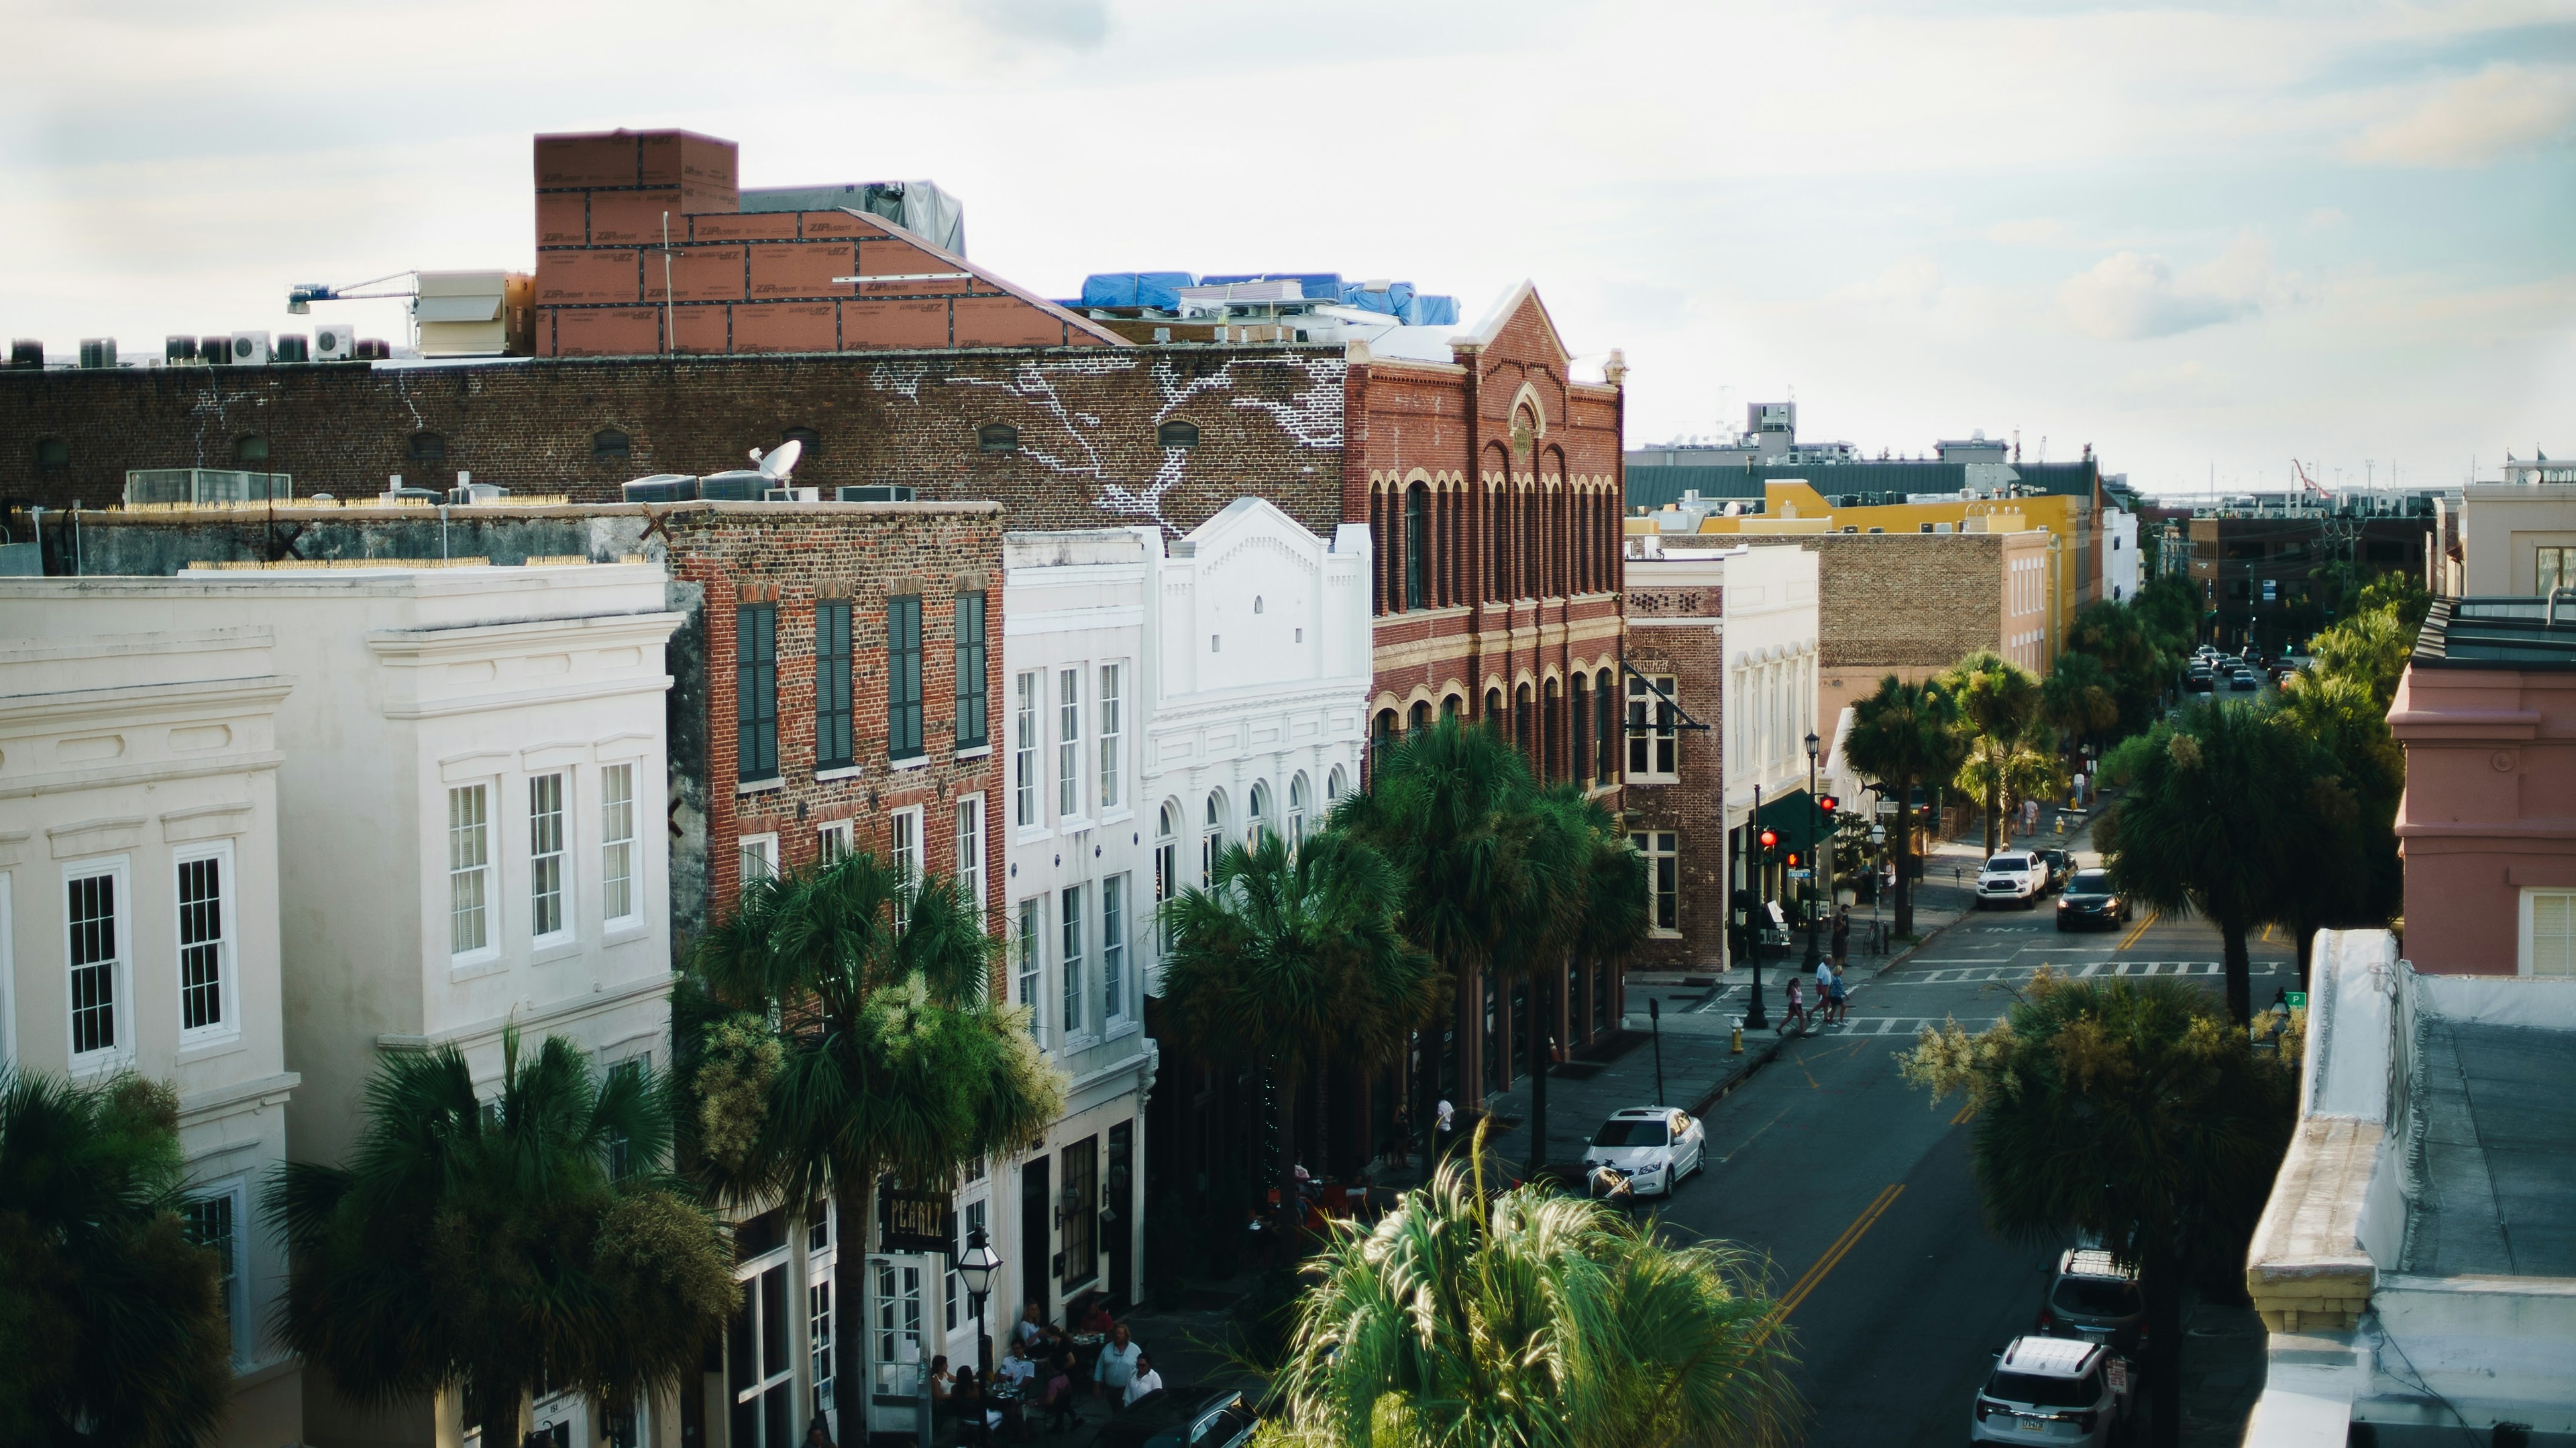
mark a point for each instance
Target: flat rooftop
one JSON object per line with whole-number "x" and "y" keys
{"x": 2498, "y": 1148}
{"x": 2497, "y": 633}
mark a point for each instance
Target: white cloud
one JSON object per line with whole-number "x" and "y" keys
{"x": 2128, "y": 295}
{"x": 2328, "y": 218}
{"x": 2029, "y": 231}
{"x": 2476, "y": 120}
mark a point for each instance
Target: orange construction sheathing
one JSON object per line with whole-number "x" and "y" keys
{"x": 1005, "y": 322}
{"x": 867, "y": 325}
{"x": 801, "y": 269}
{"x": 699, "y": 274}
{"x": 784, "y": 327}
{"x": 701, "y": 329}
{"x": 587, "y": 276}
{"x": 606, "y": 331}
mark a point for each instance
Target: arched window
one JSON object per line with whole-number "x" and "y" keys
{"x": 1177, "y": 433}
{"x": 1335, "y": 785}
{"x": 1420, "y": 718}
{"x": 1382, "y": 734}
{"x": 1578, "y": 712}
{"x": 1606, "y": 740}
{"x": 1521, "y": 719}
{"x": 1499, "y": 586}
{"x": 1256, "y": 821}
{"x": 997, "y": 437}
{"x": 1379, "y": 558}
{"x": 1417, "y": 547}
{"x": 610, "y": 445}
{"x": 428, "y": 447}
{"x": 811, "y": 439}
{"x": 1300, "y": 804}
{"x": 1551, "y": 703}
{"x": 1167, "y": 861}
{"x": 1451, "y": 705}
{"x": 52, "y": 455}
{"x": 250, "y": 450}
{"x": 1212, "y": 837}
{"x": 1494, "y": 709}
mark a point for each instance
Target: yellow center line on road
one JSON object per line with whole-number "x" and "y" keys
{"x": 1966, "y": 1114}
{"x": 2144, "y": 926}
{"x": 1834, "y": 1254}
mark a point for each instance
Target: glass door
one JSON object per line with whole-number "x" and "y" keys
{"x": 760, "y": 1369}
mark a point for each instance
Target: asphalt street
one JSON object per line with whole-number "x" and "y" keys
{"x": 1853, "y": 1189}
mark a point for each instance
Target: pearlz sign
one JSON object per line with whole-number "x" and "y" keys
{"x": 913, "y": 1222}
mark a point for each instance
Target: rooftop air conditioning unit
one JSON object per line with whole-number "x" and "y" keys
{"x": 334, "y": 343}
{"x": 375, "y": 349}
{"x": 178, "y": 351}
{"x": 875, "y": 493}
{"x": 26, "y": 352}
{"x": 250, "y": 349}
{"x": 663, "y": 488}
{"x": 98, "y": 352}
{"x": 293, "y": 347}
{"x": 215, "y": 351}
{"x": 791, "y": 495}
{"x": 464, "y": 493}
{"x": 742, "y": 485}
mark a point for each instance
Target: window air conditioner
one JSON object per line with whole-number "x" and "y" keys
{"x": 334, "y": 343}
{"x": 250, "y": 349}
{"x": 875, "y": 493}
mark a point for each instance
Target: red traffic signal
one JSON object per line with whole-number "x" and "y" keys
{"x": 1793, "y": 859}
{"x": 1830, "y": 804}
{"x": 1770, "y": 839}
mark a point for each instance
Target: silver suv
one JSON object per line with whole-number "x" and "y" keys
{"x": 2095, "y": 1297}
{"x": 2053, "y": 1390}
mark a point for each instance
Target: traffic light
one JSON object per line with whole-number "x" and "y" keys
{"x": 1830, "y": 804}
{"x": 1793, "y": 859}
{"x": 1770, "y": 842}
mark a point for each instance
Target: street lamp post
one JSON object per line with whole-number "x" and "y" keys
{"x": 976, "y": 1265}
{"x": 1755, "y": 1018}
{"x": 1655, "y": 1019}
{"x": 1812, "y": 951}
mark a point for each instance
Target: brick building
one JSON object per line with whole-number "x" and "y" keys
{"x": 1723, "y": 648}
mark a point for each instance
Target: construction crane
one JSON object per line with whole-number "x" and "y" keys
{"x": 2308, "y": 482}
{"x": 301, "y": 296}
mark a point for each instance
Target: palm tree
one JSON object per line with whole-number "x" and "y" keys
{"x": 1292, "y": 958}
{"x": 1997, "y": 699}
{"x": 1905, "y": 735}
{"x": 891, "y": 1050}
{"x": 498, "y": 1244}
{"x": 2080, "y": 696}
{"x": 1448, "y": 806}
{"x": 2219, "y": 821}
{"x": 112, "y": 1321}
{"x": 1595, "y": 884}
{"x": 2027, "y": 768}
{"x": 1532, "y": 1320}
{"x": 2126, "y": 1108}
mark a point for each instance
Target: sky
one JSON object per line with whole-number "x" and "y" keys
{"x": 2204, "y": 239}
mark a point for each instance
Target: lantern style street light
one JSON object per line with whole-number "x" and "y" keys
{"x": 976, "y": 1265}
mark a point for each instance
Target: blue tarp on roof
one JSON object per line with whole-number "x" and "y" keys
{"x": 1317, "y": 286}
{"x": 1160, "y": 289}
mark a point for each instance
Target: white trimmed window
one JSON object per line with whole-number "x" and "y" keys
{"x": 1662, "y": 849}
{"x": 834, "y": 840}
{"x": 1211, "y": 838}
{"x": 1653, "y": 744}
{"x": 905, "y": 825}
{"x": 216, "y": 1220}
{"x": 1256, "y": 823}
{"x": 1024, "y": 750}
{"x": 619, "y": 900}
{"x": 1336, "y": 785}
{"x": 469, "y": 869}
{"x": 1113, "y": 949}
{"x": 758, "y": 856}
{"x": 96, "y": 931}
{"x": 1028, "y": 958}
{"x": 2549, "y": 932}
{"x": 1113, "y": 735}
{"x": 1167, "y": 863}
{"x": 1069, "y": 907}
{"x": 547, "y": 918}
{"x": 205, "y": 944}
{"x": 1300, "y": 803}
{"x": 970, "y": 853}
{"x": 1068, "y": 743}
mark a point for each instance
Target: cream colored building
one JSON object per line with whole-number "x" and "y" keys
{"x": 2515, "y": 538}
{"x": 470, "y": 778}
{"x": 139, "y": 923}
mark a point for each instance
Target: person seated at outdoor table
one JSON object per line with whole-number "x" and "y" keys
{"x": 941, "y": 1384}
{"x": 1018, "y": 1368}
{"x": 1144, "y": 1382}
{"x": 1096, "y": 1321}
{"x": 1059, "y": 1397}
{"x": 975, "y": 1418}
{"x": 1031, "y": 1326}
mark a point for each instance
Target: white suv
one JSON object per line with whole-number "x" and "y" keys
{"x": 2054, "y": 1391}
{"x": 2012, "y": 878}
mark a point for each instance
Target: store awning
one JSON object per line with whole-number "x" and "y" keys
{"x": 1793, "y": 814}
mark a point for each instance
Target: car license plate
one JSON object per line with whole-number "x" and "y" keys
{"x": 2033, "y": 1425}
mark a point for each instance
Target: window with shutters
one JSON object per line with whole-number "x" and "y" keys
{"x": 903, "y": 676}
{"x": 2549, "y": 932}
{"x": 970, "y": 671}
{"x": 834, "y": 744}
{"x": 755, "y": 691}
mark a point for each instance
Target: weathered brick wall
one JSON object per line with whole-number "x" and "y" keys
{"x": 1670, "y": 632}
{"x": 1269, "y": 421}
{"x": 1901, "y": 599}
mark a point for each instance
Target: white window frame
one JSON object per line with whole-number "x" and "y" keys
{"x": 227, "y": 1024}
{"x": 1025, "y": 703}
{"x": 118, "y": 869}
{"x": 835, "y": 840}
{"x": 1335, "y": 785}
{"x": 906, "y": 850}
{"x": 484, "y": 874}
{"x": 1301, "y": 801}
{"x": 1167, "y": 866}
{"x": 1068, "y": 743}
{"x": 971, "y": 844}
{"x": 1028, "y": 967}
{"x": 8, "y": 969}
{"x": 1656, "y": 846}
{"x": 1256, "y": 813}
{"x": 1113, "y": 736}
{"x": 235, "y": 1191}
{"x": 1116, "y": 899}
{"x": 567, "y": 929}
{"x": 1211, "y": 835}
{"x": 1071, "y": 952}
{"x": 822, "y": 1255}
{"x": 2527, "y": 934}
{"x": 621, "y": 856}
{"x": 762, "y": 848}
{"x": 1660, "y": 743}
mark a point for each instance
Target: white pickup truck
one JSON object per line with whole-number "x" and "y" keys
{"x": 2012, "y": 878}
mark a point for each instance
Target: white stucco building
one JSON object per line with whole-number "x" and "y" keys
{"x": 2119, "y": 555}
{"x": 139, "y": 924}
{"x": 470, "y": 776}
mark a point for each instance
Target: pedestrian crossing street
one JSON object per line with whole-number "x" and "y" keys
{"x": 1977, "y": 974}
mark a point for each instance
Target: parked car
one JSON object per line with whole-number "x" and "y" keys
{"x": 2011, "y": 878}
{"x": 2061, "y": 868}
{"x": 1157, "y": 1420}
{"x": 2089, "y": 900}
{"x": 2056, "y": 1391}
{"x": 1654, "y": 1147}
{"x": 2245, "y": 681}
{"x": 2095, "y": 1298}
{"x": 2197, "y": 680}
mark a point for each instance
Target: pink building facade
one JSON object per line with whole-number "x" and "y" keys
{"x": 2487, "y": 715}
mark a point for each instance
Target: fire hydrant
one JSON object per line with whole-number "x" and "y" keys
{"x": 1739, "y": 1035}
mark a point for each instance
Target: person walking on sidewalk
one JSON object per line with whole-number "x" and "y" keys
{"x": 1825, "y": 992}
{"x": 1797, "y": 1010}
{"x": 1837, "y": 1001}
{"x": 1842, "y": 935}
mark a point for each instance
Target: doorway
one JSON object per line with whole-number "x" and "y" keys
{"x": 1117, "y": 1202}
{"x": 1037, "y": 1215}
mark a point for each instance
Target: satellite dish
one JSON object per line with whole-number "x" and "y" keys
{"x": 781, "y": 459}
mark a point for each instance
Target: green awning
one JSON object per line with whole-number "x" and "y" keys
{"x": 1793, "y": 814}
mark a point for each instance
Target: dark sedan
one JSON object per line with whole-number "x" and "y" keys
{"x": 2089, "y": 900}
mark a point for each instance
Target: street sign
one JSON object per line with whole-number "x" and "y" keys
{"x": 913, "y": 1222}
{"x": 1802, "y": 874}
{"x": 1883, "y": 806}
{"x": 2298, "y": 1000}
